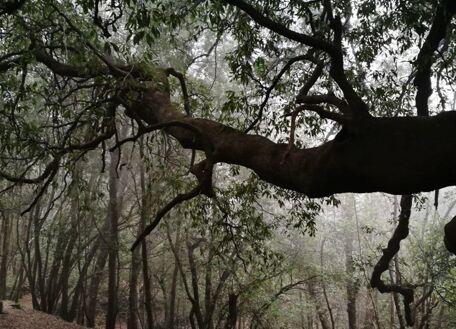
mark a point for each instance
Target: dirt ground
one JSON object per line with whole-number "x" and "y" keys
{"x": 27, "y": 318}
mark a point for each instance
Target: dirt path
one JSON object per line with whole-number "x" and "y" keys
{"x": 27, "y": 318}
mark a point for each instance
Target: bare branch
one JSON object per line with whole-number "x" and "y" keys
{"x": 42, "y": 190}
{"x": 115, "y": 70}
{"x": 48, "y": 170}
{"x": 177, "y": 200}
{"x": 317, "y": 72}
{"x": 274, "y": 83}
{"x": 281, "y": 29}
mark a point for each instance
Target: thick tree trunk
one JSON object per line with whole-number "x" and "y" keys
{"x": 392, "y": 155}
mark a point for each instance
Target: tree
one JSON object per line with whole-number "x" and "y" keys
{"x": 66, "y": 76}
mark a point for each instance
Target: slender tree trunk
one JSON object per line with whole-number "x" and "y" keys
{"x": 27, "y": 261}
{"x": 321, "y": 314}
{"x": 4, "y": 256}
{"x": 144, "y": 254}
{"x": 172, "y": 295}
{"x": 97, "y": 276}
{"x": 79, "y": 305}
{"x": 4, "y": 259}
{"x": 133, "y": 305}
{"x": 349, "y": 235}
{"x": 395, "y": 278}
{"x": 194, "y": 281}
{"x": 113, "y": 214}
{"x": 38, "y": 262}
{"x": 323, "y": 285}
{"x": 108, "y": 249}
{"x": 351, "y": 284}
{"x": 17, "y": 289}
{"x": 52, "y": 286}
{"x": 80, "y": 285}
{"x": 66, "y": 270}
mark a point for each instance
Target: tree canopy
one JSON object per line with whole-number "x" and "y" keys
{"x": 317, "y": 97}
{"x": 352, "y": 64}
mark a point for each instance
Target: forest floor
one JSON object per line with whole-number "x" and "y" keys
{"x": 26, "y": 317}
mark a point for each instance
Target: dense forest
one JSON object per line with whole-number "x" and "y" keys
{"x": 229, "y": 164}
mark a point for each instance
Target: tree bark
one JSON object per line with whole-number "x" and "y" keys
{"x": 392, "y": 155}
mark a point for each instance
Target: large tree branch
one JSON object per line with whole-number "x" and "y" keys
{"x": 66, "y": 70}
{"x": 392, "y": 155}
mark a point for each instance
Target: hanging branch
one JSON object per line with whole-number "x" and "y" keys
{"x": 276, "y": 80}
{"x": 394, "y": 244}
{"x": 180, "y": 77}
{"x": 202, "y": 171}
